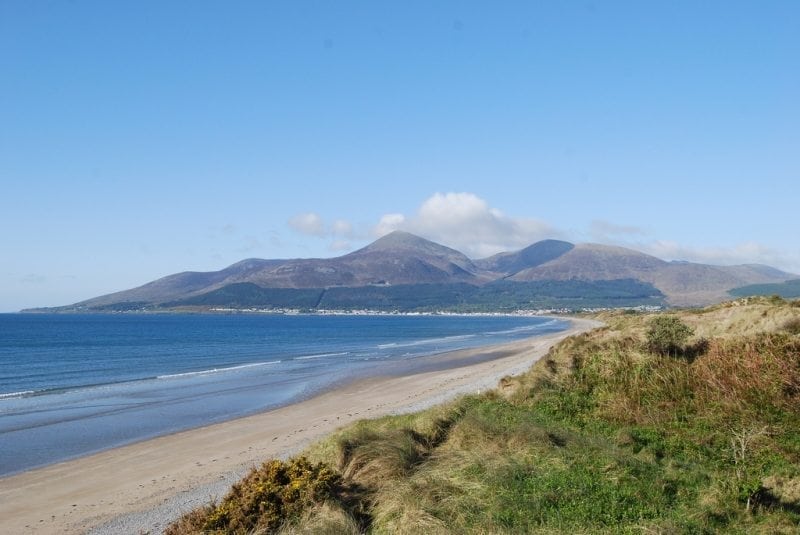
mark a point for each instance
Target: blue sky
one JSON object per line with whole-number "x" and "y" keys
{"x": 139, "y": 139}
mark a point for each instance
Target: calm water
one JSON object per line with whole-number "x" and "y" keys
{"x": 72, "y": 385}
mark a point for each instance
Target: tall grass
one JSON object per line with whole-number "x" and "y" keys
{"x": 601, "y": 436}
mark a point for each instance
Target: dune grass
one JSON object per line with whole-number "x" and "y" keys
{"x": 601, "y": 436}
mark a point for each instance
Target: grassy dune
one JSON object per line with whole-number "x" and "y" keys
{"x": 604, "y": 435}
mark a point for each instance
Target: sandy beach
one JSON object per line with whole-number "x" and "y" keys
{"x": 141, "y": 487}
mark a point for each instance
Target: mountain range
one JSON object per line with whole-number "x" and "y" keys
{"x": 401, "y": 271}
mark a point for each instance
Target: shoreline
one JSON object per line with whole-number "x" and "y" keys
{"x": 143, "y": 486}
{"x": 252, "y": 366}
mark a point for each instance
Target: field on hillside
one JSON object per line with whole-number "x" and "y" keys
{"x": 687, "y": 422}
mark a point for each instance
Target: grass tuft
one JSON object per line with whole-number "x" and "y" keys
{"x": 792, "y": 325}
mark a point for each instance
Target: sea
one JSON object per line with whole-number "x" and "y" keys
{"x": 71, "y": 384}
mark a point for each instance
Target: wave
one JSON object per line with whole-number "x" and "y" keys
{"x": 321, "y": 355}
{"x": 525, "y": 328}
{"x": 516, "y": 330}
{"x": 12, "y": 395}
{"x": 217, "y": 370}
{"x": 113, "y": 384}
{"x": 70, "y": 388}
{"x": 427, "y": 341}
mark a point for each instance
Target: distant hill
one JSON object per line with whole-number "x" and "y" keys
{"x": 398, "y": 258}
{"x": 529, "y": 257}
{"x": 789, "y": 289}
{"x": 401, "y": 271}
{"x": 497, "y": 296}
{"x": 684, "y": 283}
{"x": 589, "y": 261}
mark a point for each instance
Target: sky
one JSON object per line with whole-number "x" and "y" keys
{"x": 140, "y": 139}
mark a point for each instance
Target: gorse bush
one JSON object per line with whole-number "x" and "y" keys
{"x": 264, "y": 499}
{"x": 667, "y": 335}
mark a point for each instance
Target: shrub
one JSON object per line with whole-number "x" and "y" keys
{"x": 754, "y": 375}
{"x": 792, "y": 326}
{"x": 667, "y": 335}
{"x": 264, "y": 499}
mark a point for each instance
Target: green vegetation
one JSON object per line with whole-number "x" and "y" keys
{"x": 501, "y": 295}
{"x": 603, "y": 435}
{"x": 264, "y": 499}
{"x": 248, "y": 295}
{"x": 574, "y": 294}
{"x": 667, "y": 335}
{"x": 789, "y": 289}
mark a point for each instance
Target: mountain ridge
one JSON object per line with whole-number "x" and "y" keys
{"x": 401, "y": 259}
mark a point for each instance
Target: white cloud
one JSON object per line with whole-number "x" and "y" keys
{"x": 312, "y": 224}
{"x": 639, "y": 239}
{"x": 469, "y": 224}
{"x": 605, "y": 231}
{"x": 340, "y": 227}
{"x": 466, "y": 222}
{"x": 389, "y": 223}
{"x": 308, "y": 223}
{"x": 743, "y": 253}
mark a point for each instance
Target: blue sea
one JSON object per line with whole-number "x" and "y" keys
{"x": 71, "y": 385}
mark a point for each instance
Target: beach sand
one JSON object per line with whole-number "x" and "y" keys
{"x": 141, "y": 487}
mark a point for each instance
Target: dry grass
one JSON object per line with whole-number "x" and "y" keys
{"x": 742, "y": 317}
{"x": 325, "y": 519}
{"x": 791, "y": 325}
{"x": 752, "y": 372}
{"x": 601, "y": 436}
{"x": 191, "y": 523}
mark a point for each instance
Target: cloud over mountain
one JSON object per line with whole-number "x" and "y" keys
{"x": 742, "y": 253}
{"x": 466, "y": 222}
{"x": 308, "y": 223}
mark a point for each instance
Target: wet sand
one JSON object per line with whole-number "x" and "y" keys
{"x": 141, "y": 487}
